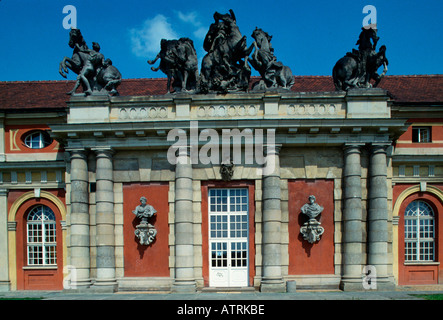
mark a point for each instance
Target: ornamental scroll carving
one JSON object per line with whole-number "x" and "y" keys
{"x": 312, "y": 229}
{"x": 145, "y": 231}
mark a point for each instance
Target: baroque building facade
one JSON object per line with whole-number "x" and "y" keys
{"x": 73, "y": 173}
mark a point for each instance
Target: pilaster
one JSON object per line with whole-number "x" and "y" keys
{"x": 5, "y": 284}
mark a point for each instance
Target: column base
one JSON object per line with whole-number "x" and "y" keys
{"x": 184, "y": 287}
{"x": 77, "y": 286}
{"x": 5, "y": 286}
{"x": 105, "y": 286}
{"x": 273, "y": 286}
{"x": 352, "y": 285}
{"x": 384, "y": 284}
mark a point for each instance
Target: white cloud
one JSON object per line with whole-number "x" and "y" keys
{"x": 193, "y": 19}
{"x": 200, "y": 33}
{"x": 190, "y": 17}
{"x": 145, "y": 40}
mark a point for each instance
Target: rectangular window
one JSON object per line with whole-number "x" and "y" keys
{"x": 42, "y": 243}
{"x": 421, "y": 134}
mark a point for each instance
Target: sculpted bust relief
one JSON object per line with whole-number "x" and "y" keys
{"x": 145, "y": 231}
{"x": 144, "y": 210}
{"x": 312, "y": 209}
{"x": 312, "y": 229}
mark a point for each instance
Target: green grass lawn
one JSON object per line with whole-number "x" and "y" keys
{"x": 430, "y": 296}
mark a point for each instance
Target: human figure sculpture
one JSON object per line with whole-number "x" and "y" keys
{"x": 312, "y": 229}
{"x": 145, "y": 231}
{"x": 357, "y": 68}
{"x": 312, "y": 209}
{"x": 94, "y": 72}
{"x": 274, "y": 74}
{"x": 225, "y": 67}
{"x": 92, "y": 66}
{"x": 178, "y": 60}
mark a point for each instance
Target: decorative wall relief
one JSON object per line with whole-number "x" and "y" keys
{"x": 145, "y": 231}
{"x": 227, "y": 171}
{"x": 312, "y": 229}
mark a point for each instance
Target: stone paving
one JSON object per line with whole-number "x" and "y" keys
{"x": 231, "y": 296}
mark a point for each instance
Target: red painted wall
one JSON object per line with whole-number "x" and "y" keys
{"x": 14, "y": 136}
{"x": 152, "y": 260}
{"x": 405, "y": 140}
{"x": 306, "y": 258}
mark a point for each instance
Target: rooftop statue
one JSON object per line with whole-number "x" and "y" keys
{"x": 274, "y": 74}
{"x": 95, "y": 73}
{"x": 357, "y": 68}
{"x": 178, "y": 60}
{"x": 225, "y": 67}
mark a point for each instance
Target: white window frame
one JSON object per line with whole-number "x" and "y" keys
{"x": 41, "y": 141}
{"x": 421, "y": 132}
{"x": 419, "y": 237}
{"x": 41, "y": 237}
{"x": 228, "y": 211}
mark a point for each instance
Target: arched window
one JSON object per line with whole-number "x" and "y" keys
{"x": 37, "y": 139}
{"x": 419, "y": 232}
{"x": 41, "y": 237}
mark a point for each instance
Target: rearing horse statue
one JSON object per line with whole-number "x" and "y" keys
{"x": 94, "y": 72}
{"x": 79, "y": 55}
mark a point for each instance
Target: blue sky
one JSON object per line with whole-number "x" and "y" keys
{"x": 308, "y": 36}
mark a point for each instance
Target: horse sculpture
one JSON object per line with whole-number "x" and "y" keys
{"x": 178, "y": 60}
{"x": 357, "y": 68}
{"x": 274, "y": 73}
{"x": 225, "y": 66}
{"x": 94, "y": 72}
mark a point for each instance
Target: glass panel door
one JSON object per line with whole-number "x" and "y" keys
{"x": 228, "y": 237}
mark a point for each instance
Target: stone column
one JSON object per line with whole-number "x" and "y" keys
{"x": 378, "y": 216}
{"x": 104, "y": 199}
{"x": 272, "y": 280}
{"x": 5, "y": 284}
{"x": 184, "y": 234}
{"x": 352, "y": 234}
{"x": 79, "y": 230}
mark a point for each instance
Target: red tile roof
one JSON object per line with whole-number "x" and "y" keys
{"x": 52, "y": 94}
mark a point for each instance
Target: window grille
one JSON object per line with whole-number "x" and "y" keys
{"x": 421, "y": 134}
{"x": 41, "y": 237}
{"x": 37, "y": 140}
{"x": 228, "y": 227}
{"x": 419, "y": 232}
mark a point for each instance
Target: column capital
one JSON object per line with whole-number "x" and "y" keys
{"x": 352, "y": 147}
{"x": 107, "y": 152}
{"x": 183, "y": 151}
{"x": 272, "y": 149}
{"x": 379, "y": 147}
{"x": 77, "y": 153}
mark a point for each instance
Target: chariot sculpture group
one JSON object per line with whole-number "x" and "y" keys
{"x": 226, "y": 66}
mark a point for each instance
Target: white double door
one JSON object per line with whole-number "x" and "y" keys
{"x": 228, "y": 237}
